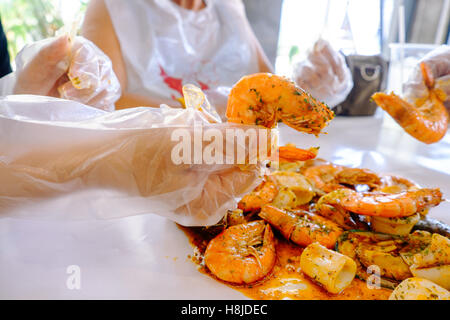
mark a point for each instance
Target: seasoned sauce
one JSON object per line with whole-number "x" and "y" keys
{"x": 286, "y": 280}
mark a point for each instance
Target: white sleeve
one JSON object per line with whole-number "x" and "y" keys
{"x": 7, "y": 84}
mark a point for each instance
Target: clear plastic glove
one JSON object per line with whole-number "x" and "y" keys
{"x": 438, "y": 62}
{"x": 42, "y": 67}
{"x": 218, "y": 97}
{"x": 324, "y": 74}
{"x": 76, "y": 70}
{"x": 116, "y": 164}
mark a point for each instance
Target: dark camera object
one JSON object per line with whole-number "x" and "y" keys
{"x": 369, "y": 76}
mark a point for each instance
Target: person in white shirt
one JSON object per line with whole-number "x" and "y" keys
{"x": 157, "y": 46}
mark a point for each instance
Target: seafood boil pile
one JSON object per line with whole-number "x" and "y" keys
{"x": 313, "y": 229}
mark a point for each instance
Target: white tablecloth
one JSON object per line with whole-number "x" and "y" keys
{"x": 146, "y": 257}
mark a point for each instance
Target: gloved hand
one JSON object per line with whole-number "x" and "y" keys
{"x": 438, "y": 62}
{"x": 122, "y": 163}
{"x": 76, "y": 70}
{"x": 324, "y": 74}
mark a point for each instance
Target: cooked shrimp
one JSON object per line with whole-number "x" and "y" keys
{"x": 396, "y": 184}
{"x": 426, "y": 119}
{"x": 354, "y": 176}
{"x": 330, "y": 177}
{"x": 264, "y": 99}
{"x": 263, "y": 194}
{"x": 324, "y": 177}
{"x": 291, "y": 153}
{"x": 378, "y": 204}
{"x": 302, "y": 227}
{"x": 243, "y": 253}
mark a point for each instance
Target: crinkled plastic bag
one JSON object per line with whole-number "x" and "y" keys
{"x": 91, "y": 78}
{"x": 111, "y": 164}
{"x": 324, "y": 74}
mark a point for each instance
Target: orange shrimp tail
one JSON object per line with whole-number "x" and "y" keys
{"x": 291, "y": 154}
{"x": 428, "y": 79}
{"x": 427, "y": 75}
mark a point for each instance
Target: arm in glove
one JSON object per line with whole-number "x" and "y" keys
{"x": 438, "y": 62}
{"x": 324, "y": 74}
{"x": 128, "y": 156}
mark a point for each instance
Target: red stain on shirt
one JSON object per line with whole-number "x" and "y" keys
{"x": 203, "y": 85}
{"x": 173, "y": 83}
{"x": 177, "y": 83}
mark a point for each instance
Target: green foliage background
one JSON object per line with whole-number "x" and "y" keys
{"x": 25, "y": 21}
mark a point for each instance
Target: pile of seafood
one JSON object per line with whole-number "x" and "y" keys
{"x": 346, "y": 223}
{"x": 315, "y": 225}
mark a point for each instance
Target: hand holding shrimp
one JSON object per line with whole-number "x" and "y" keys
{"x": 425, "y": 119}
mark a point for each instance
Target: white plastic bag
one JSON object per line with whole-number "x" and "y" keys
{"x": 324, "y": 74}
{"x": 87, "y": 73}
{"x": 115, "y": 164}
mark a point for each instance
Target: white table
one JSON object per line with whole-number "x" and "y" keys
{"x": 145, "y": 257}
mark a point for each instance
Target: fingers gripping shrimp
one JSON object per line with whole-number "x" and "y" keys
{"x": 243, "y": 253}
{"x": 302, "y": 228}
{"x": 426, "y": 120}
{"x": 264, "y": 99}
{"x": 379, "y": 204}
{"x": 427, "y": 123}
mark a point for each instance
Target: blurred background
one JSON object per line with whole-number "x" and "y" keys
{"x": 26, "y": 21}
{"x": 286, "y": 28}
